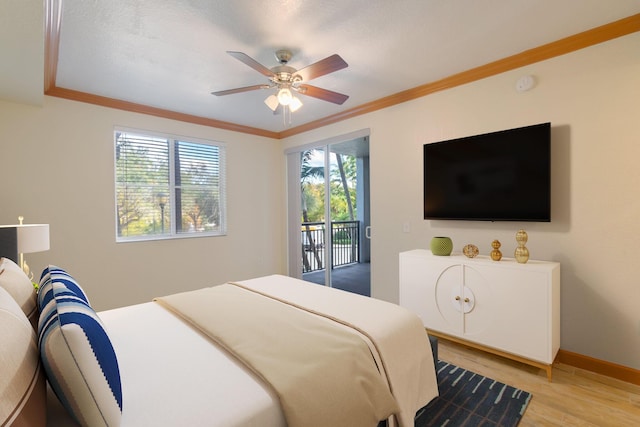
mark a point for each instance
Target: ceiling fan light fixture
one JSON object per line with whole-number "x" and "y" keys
{"x": 285, "y": 96}
{"x": 285, "y": 79}
{"x": 295, "y": 104}
{"x": 272, "y": 102}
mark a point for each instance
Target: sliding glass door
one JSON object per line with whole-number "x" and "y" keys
{"x": 330, "y": 230}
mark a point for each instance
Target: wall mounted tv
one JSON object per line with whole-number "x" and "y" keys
{"x": 498, "y": 176}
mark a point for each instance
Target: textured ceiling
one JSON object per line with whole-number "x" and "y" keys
{"x": 171, "y": 54}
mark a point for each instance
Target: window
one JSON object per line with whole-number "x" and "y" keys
{"x": 167, "y": 187}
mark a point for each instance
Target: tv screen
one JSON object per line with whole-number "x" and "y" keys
{"x": 498, "y": 176}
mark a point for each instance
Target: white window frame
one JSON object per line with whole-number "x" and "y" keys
{"x": 171, "y": 232}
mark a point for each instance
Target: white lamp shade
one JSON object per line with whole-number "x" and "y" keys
{"x": 272, "y": 102}
{"x": 284, "y": 96}
{"x": 295, "y": 104}
{"x": 33, "y": 238}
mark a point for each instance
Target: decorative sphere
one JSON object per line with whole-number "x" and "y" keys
{"x": 522, "y": 254}
{"x": 470, "y": 251}
{"x": 521, "y": 237}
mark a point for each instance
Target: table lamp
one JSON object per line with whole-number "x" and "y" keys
{"x": 17, "y": 240}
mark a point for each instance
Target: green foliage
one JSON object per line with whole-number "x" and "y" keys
{"x": 312, "y": 185}
{"x": 314, "y": 197}
{"x": 145, "y": 202}
{"x": 339, "y": 210}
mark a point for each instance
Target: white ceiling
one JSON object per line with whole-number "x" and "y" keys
{"x": 171, "y": 54}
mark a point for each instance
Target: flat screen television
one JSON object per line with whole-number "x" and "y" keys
{"x": 498, "y": 176}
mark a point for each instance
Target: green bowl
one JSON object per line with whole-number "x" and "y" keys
{"x": 441, "y": 246}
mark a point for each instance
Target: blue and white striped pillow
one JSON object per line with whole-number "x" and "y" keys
{"x": 77, "y": 355}
{"x": 61, "y": 277}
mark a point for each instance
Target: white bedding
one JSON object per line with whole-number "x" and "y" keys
{"x": 173, "y": 376}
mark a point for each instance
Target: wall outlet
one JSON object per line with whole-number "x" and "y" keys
{"x": 406, "y": 227}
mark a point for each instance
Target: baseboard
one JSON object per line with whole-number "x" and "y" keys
{"x": 598, "y": 366}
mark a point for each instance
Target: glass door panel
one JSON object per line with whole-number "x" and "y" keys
{"x": 312, "y": 192}
{"x": 335, "y": 215}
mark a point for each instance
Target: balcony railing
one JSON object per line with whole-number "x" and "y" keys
{"x": 345, "y": 238}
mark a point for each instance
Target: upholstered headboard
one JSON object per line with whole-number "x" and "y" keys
{"x": 19, "y": 286}
{"x": 22, "y": 383}
{"x": 64, "y": 344}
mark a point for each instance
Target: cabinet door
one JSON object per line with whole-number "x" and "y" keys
{"x": 479, "y": 304}
{"x": 519, "y": 312}
{"x": 449, "y": 296}
{"x": 426, "y": 284}
{"x": 416, "y": 284}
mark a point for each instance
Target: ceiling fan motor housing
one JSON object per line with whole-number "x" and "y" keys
{"x": 283, "y": 56}
{"x": 283, "y": 75}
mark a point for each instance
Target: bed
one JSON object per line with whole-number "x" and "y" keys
{"x": 174, "y": 368}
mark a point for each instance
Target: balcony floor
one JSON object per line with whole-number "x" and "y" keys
{"x": 354, "y": 278}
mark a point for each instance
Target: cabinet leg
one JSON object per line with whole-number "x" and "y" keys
{"x": 549, "y": 372}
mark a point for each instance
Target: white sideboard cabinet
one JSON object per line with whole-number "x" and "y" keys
{"x": 503, "y": 307}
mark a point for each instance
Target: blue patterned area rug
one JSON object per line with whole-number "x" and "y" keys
{"x": 469, "y": 399}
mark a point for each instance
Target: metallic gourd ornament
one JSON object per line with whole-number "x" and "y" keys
{"x": 521, "y": 253}
{"x": 496, "y": 255}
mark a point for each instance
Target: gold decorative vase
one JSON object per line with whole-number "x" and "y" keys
{"x": 522, "y": 253}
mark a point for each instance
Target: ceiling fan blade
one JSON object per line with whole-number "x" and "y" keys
{"x": 322, "y": 67}
{"x": 240, "y": 89}
{"x": 324, "y": 94}
{"x": 243, "y": 57}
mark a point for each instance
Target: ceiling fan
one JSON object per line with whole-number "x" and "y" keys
{"x": 287, "y": 79}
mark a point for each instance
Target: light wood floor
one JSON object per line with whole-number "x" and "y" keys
{"x": 575, "y": 397}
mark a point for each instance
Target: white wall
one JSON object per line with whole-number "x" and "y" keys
{"x": 591, "y": 97}
{"x": 57, "y": 167}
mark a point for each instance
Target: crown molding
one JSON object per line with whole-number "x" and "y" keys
{"x": 52, "y": 20}
{"x": 119, "y": 104}
{"x": 560, "y": 47}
